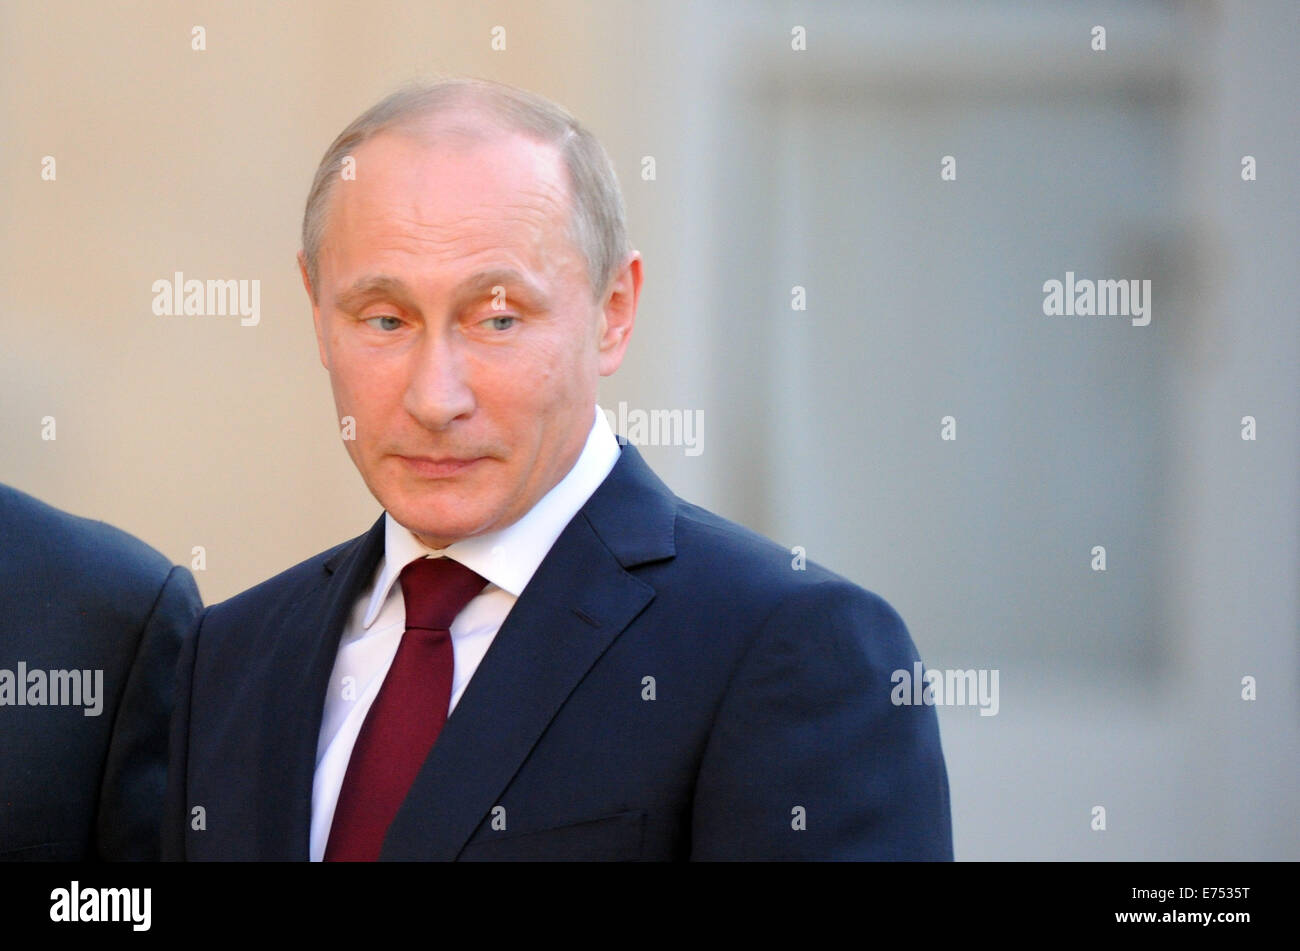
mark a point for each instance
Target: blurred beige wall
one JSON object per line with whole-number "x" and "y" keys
{"x": 197, "y": 431}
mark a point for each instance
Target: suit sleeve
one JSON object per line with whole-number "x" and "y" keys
{"x": 130, "y": 803}
{"x": 809, "y": 758}
{"x": 175, "y": 810}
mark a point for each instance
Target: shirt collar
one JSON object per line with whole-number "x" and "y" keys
{"x": 507, "y": 557}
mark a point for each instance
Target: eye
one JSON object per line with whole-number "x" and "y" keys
{"x": 501, "y": 322}
{"x": 385, "y": 322}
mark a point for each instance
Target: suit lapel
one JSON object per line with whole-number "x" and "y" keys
{"x": 300, "y": 665}
{"x": 580, "y": 599}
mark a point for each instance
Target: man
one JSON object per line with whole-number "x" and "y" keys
{"x": 537, "y": 651}
{"x": 90, "y": 631}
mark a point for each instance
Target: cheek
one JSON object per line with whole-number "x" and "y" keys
{"x": 557, "y": 372}
{"x": 516, "y": 384}
{"x": 367, "y": 392}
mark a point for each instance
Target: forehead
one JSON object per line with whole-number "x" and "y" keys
{"x": 440, "y": 196}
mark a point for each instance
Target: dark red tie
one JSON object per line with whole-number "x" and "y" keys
{"x": 408, "y": 713}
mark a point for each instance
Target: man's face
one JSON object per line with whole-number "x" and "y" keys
{"x": 456, "y": 321}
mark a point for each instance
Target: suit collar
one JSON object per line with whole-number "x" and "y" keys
{"x": 633, "y": 512}
{"x": 578, "y": 602}
{"x": 304, "y": 653}
{"x": 361, "y": 546}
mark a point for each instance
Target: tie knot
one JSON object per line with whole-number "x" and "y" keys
{"x": 436, "y": 590}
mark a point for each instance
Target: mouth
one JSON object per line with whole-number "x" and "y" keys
{"x": 439, "y": 467}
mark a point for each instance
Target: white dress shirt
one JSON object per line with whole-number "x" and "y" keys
{"x": 507, "y": 558}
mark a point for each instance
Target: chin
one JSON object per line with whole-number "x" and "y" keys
{"x": 423, "y": 506}
{"x": 431, "y": 522}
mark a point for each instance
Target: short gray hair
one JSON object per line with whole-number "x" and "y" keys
{"x": 597, "y": 219}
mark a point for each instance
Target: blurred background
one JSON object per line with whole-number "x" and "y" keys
{"x": 774, "y": 168}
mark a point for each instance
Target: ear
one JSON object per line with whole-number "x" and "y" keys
{"x": 315, "y": 309}
{"x": 618, "y": 314}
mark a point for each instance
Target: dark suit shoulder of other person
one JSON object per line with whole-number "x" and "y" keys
{"x": 80, "y": 595}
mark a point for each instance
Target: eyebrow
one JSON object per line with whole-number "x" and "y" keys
{"x": 472, "y": 288}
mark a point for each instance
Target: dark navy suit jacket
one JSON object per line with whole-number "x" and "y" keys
{"x": 770, "y": 734}
{"x": 76, "y": 594}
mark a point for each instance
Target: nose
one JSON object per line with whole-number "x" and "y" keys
{"x": 439, "y": 389}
